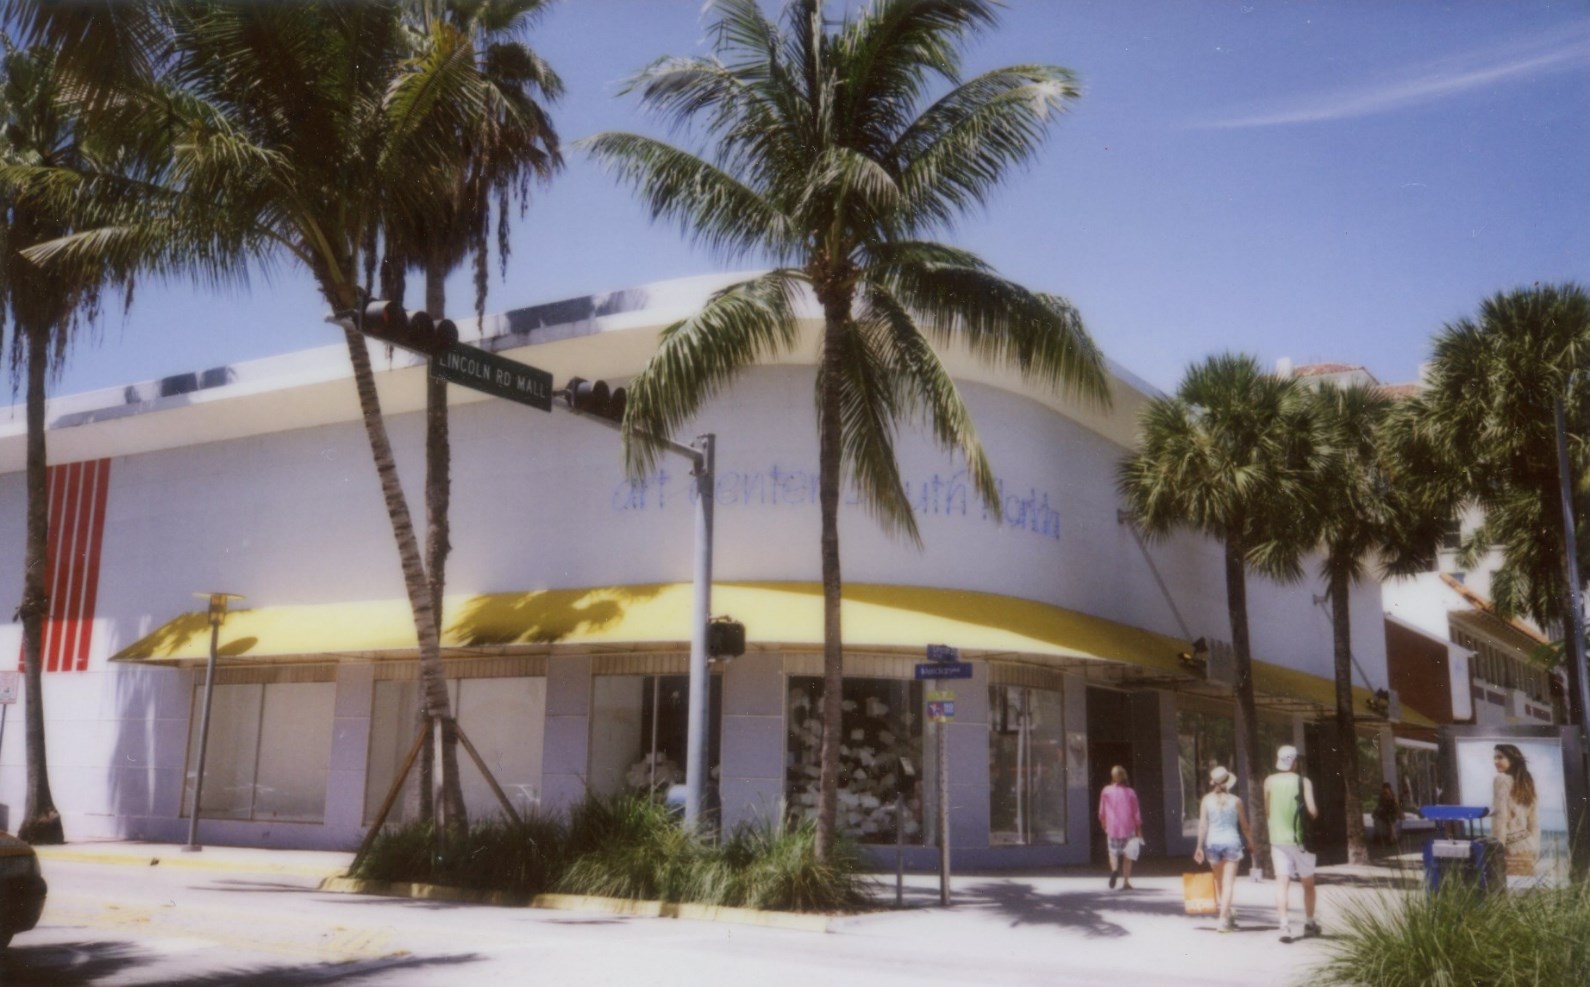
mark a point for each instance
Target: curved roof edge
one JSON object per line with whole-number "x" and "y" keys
{"x": 553, "y": 335}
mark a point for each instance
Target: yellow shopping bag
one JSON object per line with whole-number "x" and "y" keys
{"x": 1198, "y": 892}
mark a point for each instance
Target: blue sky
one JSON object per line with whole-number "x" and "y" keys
{"x": 1327, "y": 181}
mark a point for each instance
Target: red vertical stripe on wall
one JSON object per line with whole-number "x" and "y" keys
{"x": 76, "y": 495}
{"x": 96, "y": 543}
{"x": 57, "y": 481}
{"x": 63, "y": 608}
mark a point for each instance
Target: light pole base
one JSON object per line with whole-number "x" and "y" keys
{"x": 192, "y": 848}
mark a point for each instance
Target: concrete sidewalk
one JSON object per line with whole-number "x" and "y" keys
{"x": 1095, "y": 935}
{"x": 1062, "y": 925}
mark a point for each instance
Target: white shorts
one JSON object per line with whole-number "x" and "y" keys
{"x": 1292, "y": 861}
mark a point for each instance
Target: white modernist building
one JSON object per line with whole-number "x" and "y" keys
{"x": 566, "y": 626}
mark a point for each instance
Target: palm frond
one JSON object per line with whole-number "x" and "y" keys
{"x": 697, "y": 357}
{"x": 1040, "y": 335}
{"x": 927, "y": 392}
{"x": 709, "y": 204}
{"x": 867, "y": 412}
{"x": 961, "y": 148}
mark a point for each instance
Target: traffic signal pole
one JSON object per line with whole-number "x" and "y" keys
{"x": 702, "y": 456}
{"x": 701, "y": 613}
{"x": 484, "y": 371}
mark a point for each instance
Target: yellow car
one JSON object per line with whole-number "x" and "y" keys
{"x": 21, "y": 888}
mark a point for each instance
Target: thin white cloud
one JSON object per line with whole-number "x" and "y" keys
{"x": 1430, "y": 82}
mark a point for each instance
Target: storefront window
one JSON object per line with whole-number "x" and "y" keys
{"x": 268, "y": 754}
{"x": 880, "y": 756}
{"x": 503, "y": 717}
{"x": 1026, "y": 765}
{"x": 1370, "y": 774}
{"x": 640, "y": 728}
{"x": 1416, "y": 774}
{"x": 1206, "y": 739}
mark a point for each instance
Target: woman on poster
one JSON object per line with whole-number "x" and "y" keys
{"x": 1515, "y": 811}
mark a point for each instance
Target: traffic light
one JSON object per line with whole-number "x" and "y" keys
{"x": 594, "y": 397}
{"x": 725, "y": 638}
{"x": 416, "y": 331}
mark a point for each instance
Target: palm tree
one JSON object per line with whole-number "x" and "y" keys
{"x": 1229, "y": 455}
{"x": 47, "y": 308}
{"x": 1486, "y": 420}
{"x": 302, "y": 132}
{"x": 1356, "y": 510}
{"x": 826, "y": 160}
{"x": 500, "y": 150}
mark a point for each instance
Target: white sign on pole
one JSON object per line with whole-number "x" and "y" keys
{"x": 10, "y": 686}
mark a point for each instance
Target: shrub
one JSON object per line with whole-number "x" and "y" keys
{"x": 1461, "y": 935}
{"x": 496, "y": 855}
{"x": 778, "y": 869}
{"x": 632, "y": 847}
{"x": 629, "y": 846}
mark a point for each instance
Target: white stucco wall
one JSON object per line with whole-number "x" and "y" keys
{"x": 265, "y": 488}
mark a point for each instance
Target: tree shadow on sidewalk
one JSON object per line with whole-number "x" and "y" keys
{"x": 1080, "y": 911}
{"x": 71, "y": 964}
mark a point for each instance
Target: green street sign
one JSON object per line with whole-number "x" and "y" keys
{"x": 494, "y": 375}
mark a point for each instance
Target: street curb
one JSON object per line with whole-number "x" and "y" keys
{"x": 800, "y": 921}
{"x": 178, "y": 860}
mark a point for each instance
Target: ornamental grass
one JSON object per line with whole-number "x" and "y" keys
{"x": 1462, "y": 935}
{"x": 628, "y": 847}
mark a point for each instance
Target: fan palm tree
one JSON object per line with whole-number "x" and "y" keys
{"x": 1487, "y": 420}
{"x": 47, "y": 308}
{"x": 1229, "y": 455}
{"x": 499, "y": 151}
{"x": 301, "y": 132}
{"x": 827, "y": 158}
{"x": 1356, "y": 511}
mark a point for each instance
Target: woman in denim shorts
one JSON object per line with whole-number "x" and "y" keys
{"x": 1222, "y": 836}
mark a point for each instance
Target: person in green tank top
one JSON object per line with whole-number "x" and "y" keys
{"x": 1282, "y": 809}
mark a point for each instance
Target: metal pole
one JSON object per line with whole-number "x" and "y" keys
{"x": 1578, "y": 851}
{"x": 942, "y": 728}
{"x": 701, "y": 612}
{"x": 899, "y": 848}
{"x": 217, "y": 614}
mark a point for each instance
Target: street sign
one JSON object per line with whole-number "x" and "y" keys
{"x": 944, "y": 670}
{"x": 942, "y": 652}
{"x": 495, "y": 375}
{"x": 941, "y": 712}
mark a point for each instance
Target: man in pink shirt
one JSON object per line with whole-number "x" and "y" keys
{"x": 1122, "y": 821}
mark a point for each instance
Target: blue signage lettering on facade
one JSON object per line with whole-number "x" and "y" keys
{"x": 938, "y": 495}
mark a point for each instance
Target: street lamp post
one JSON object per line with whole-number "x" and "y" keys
{"x": 217, "y": 613}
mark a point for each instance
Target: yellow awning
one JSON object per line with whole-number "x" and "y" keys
{"x": 657, "y": 617}
{"x": 775, "y": 614}
{"x": 1276, "y": 680}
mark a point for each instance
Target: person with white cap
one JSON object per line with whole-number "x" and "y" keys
{"x": 1287, "y": 795}
{"x": 1222, "y": 835}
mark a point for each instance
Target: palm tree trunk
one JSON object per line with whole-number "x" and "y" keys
{"x": 438, "y": 496}
{"x": 1346, "y": 732}
{"x": 41, "y": 822}
{"x": 433, "y": 681}
{"x": 1248, "y": 763}
{"x": 836, "y": 317}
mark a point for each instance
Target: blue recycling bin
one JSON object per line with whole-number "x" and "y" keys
{"x": 1467, "y": 857}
